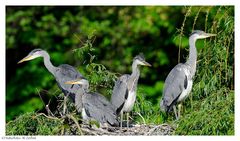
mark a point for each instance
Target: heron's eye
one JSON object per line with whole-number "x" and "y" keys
{"x": 36, "y": 52}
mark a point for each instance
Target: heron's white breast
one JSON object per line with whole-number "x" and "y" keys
{"x": 84, "y": 114}
{"x": 186, "y": 91}
{"x": 129, "y": 103}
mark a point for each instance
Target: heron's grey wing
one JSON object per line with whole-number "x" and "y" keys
{"x": 175, "y": 83}
{"x": 99, "y": 108}
{"x": 120, "y": 93}
{"x": 66, "y": 73}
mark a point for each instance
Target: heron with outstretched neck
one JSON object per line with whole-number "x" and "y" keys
{"x": 62, "y": 73}
{"x": 179, "y": 81}
{"x": 124, "y": 91}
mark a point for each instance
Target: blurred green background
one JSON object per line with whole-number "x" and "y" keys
{"x": 113, "y": 36}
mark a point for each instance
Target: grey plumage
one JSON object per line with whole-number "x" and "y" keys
{"x": 178, "y": 83}
{"x": 120, "y": 93}
{"x": 99, "y": 109}
{"x": 124, "y": 91}
{"x": 62, "y": 73}
{"x": 94, "y": 106}
{"x": 65, "y": 73}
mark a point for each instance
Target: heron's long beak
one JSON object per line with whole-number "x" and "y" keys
{"x": 77, "y": 81}
{"x": 210, "y": 34}
{"x": 26, "y": 59}
{"x": 147, "y": 64}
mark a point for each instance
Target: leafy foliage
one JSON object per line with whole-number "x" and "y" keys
{"x": 33, "y": 124}
{"x": 207, "y": 120}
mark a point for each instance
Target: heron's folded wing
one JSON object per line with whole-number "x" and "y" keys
{"x": 174, "y": 85}
{"x": 69, "y": 72}
{"x": 120, "y": 91}
{"x": 99, "y": 108}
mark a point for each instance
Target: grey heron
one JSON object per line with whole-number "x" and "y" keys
{"x": 93, "y": 106}
{"x": 124, "y": 91}
{"x": 62, "y": 73}
{"x": 179, "y": 81}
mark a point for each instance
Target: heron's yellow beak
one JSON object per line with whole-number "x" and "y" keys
{"x": 210, "y": 34}
{"x": 147, "y": 64}
{"x": 78, "y": 81}
{"x": 26, "y": 59}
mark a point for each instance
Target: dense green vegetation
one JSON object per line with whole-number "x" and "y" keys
{"x": 102, "y": 41}
{"x": 33, "y": 124}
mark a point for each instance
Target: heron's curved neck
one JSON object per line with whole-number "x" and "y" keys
{"x": 47, "y": 63}
{"x": 192, "y": 60}
{"x": 85, "y": 87}
{"x": 81, "y": 91}
{"x": 78, "y": 99}
{"x": 134, "y": 76}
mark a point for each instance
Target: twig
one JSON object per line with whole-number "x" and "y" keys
{"x": 40, "y": 96}
{"x": 48, "y": 109}
{"x": 65, "y": 105}
{"x": 76, "y": 122}
{"x": 89, "y": 131}
{"x": 46, "y": 105}
{"x": 158, "y": 126}
{"x": 62, "y": 131}
{"x": 144, "y": 122}
{"x": 101, "y": 131}
{"x": 42, "y": 114}
{"x": 181, "y": 32}
{"x": 195, "y": 19}
{"x": 152, "y": 130}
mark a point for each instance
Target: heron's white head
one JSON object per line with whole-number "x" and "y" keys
{"x": 198, "y": 34}
{"x": 32, "y": 55}
{"x": 140, "y": 60}
{"x": 80, "y": 81}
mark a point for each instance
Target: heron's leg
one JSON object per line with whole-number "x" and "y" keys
{"x": 179, "y": 110}
{"x": 121, "y": 119}
{"x": 175, "y": 111}
{"x": 127, "y": 120}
